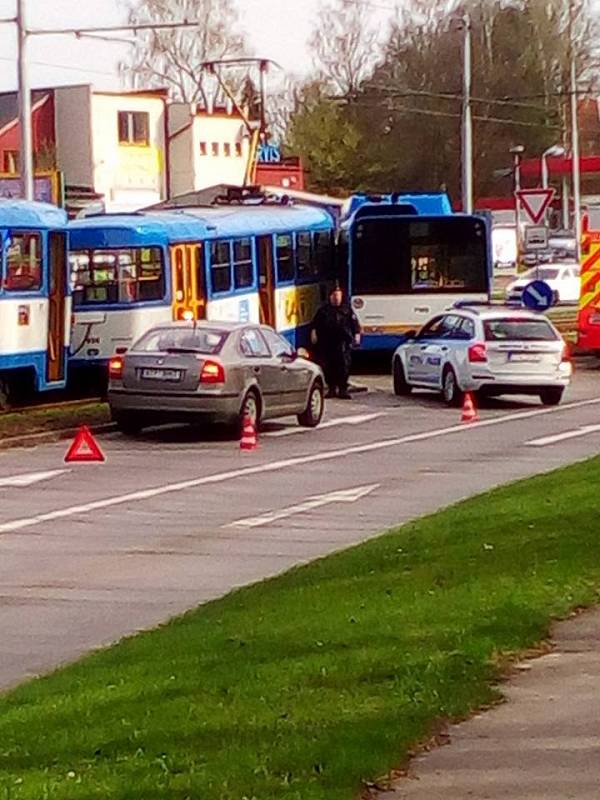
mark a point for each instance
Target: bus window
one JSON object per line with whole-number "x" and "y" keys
{"x": 440, "y": 255}
{"x": 122, "y": 276}
{"x": 242, "y": 263}
{"x": 23, "y": 262}
{"x": 220, "y": 267}
{"x": 285, "y": 261}
{"x": 304, "y": 258}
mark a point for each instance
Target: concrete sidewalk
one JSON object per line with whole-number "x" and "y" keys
{"x": 542, "y": 744}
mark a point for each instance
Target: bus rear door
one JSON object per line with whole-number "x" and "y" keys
{"x": 189, "y": 293}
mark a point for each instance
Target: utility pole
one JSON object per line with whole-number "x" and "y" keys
{"x": 26, "y": 150}
{"x": 575, "y": 136}
{"x": 467, "y": 121}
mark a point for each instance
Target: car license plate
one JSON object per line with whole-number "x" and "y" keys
{"x": 161, "y": 374}
{"x": 524, "y": 358}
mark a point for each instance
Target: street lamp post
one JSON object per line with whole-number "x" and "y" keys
{"x": 26, "y": 150}
{"x": 467, "y": 122}
{"x": 517, "y": 154}
{"x": 556, "y": 151}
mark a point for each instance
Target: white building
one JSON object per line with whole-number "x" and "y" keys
{"x": 205, "y": 148}
{"x": 113, "y": 143}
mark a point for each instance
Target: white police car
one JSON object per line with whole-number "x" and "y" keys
{"x": 484, "y": 348}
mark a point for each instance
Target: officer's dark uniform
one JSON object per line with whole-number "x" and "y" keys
{"x": 335, "y": 328}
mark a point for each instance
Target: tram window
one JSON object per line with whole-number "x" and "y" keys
{"x": 323, "y": 254}
{"x": 120, "y": 276}
{"x": 304, "y": 255}
{"x": 242, "y": 263}
{"x": 23, "y": 262}
{"x": 285, "y": 262}
{"x": 220, "y": 267}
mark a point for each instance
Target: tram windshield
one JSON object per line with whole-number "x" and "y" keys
{"x": 117, "y": 276}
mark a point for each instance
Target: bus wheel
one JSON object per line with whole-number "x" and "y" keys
{"x": 401, "y": 387}
{"x": 451, "y": 391}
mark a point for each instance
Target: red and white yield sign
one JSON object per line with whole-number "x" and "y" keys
{"x": 535, "y": 202}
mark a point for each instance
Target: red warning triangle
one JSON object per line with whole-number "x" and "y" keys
{"x": 84, "y": 448}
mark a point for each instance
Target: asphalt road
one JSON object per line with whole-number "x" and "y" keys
{"x": 89, "y": 553}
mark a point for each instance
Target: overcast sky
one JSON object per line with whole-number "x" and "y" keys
{"x": 276, "y": 29}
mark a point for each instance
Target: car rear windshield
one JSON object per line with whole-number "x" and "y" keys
{"x": 208, "y": 341}
{"x": 510, "y": 330}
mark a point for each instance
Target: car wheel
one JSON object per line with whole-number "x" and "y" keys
{"x": 313, "y": 413}
{"x": 250, "y": 408}
{"x": 127, "y": 424}
{"x": 401, "y": 387}
{"x": 551, "y": 396}
{"x": 451, "y": 391}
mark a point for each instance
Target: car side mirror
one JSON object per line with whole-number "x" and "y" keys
{"x": 411, "y": 334}
{"x": 289, "y": 357}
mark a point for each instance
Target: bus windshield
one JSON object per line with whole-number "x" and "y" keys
{"x": 117, "y": 276}
{"x": 416, "y": 255}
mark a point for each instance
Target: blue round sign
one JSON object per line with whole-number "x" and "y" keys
{"x": 537, "y": 296}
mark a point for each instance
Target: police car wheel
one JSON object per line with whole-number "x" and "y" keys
{"x": 551, "y": 396}
{"x": 127, "y": 424}
{"x": 313, "y": 412}
{"x": 401, "y": 387}
{"x": 451, "y": 392}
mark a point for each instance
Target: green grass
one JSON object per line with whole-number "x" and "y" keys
{"x": 306, "y": 685}
{"x": 38, "y": 420}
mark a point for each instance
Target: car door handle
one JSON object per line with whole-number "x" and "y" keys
{"x": 444, "y": 349}
{"x": 256, "y": 370}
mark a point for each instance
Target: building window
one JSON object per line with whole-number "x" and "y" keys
{"x": 215, "y": 148}
{"x": 285, "y": 261}
{"x": 242, "y": 263}
{"x": 10, "y": 162}
{"x": 238, "y": 149}
{"x": 119, "y": 276}
{"x": 227, "y": 150}
{"x": 134, "y": 127}
{"x": 23, "y": 262}
{"x": 203, "y": 149}
{"x": 220, "y": 266}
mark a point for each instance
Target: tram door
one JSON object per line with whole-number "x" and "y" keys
{"x": 266, "y": 279}
{"x": 187, "y": 265}
{"x": 57, "y": 286}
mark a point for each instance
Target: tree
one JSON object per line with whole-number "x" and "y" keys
{"x": 344, "y": 46}
{"x": 173, "y": 58}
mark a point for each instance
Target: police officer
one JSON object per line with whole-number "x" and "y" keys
{"x": 334, "y": 330}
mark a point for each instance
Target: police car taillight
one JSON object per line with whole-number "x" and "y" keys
{"x": 212, "y": 372}
{"x": 477, "y": 353}
{"x": 566, "y": 354}
{"x": 115, "y": 368}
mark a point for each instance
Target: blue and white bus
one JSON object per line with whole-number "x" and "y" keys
{"x": 34, "y": 299}
{"x": 408, "y": 257}
{"x": 261, "y": 263}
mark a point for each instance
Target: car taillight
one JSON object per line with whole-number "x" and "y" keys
{"x": 212, "y": 372}
{"x": 115, "y": 368}
{"x": 477, "y": 353}
{"x": 566, "y": 354}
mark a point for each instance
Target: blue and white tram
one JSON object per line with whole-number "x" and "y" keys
{"x": 267, "y": 263}
{"x": 34, "y": 299}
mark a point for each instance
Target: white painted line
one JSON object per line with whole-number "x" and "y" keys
{"x": 358, "y": 419}
{"x": 274, "y": 466}
{"x": 343, "y": 496}
{"x": 30, "y": 478}
{"x": 562, "y": 437}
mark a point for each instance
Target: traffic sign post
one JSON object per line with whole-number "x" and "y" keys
{"x": 537, "y": 296}
{"x": 535, "y": 202}
{"x": 536, "y": 237}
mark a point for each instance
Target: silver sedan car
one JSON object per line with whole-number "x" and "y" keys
{"x": 489, "y": 349}
{"x": 212, "y": 372}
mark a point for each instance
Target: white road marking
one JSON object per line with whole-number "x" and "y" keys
{"x": 343, "y": 496}
{"x": 358, "y": 419}
{"x": 30, "y": 478}
{"x": 274, "y": 466}
{"x": 561, "y": 437}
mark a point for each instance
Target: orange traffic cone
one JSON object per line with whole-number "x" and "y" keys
{"x": 249, "y": 440}
{"x": 469, "y": 412}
